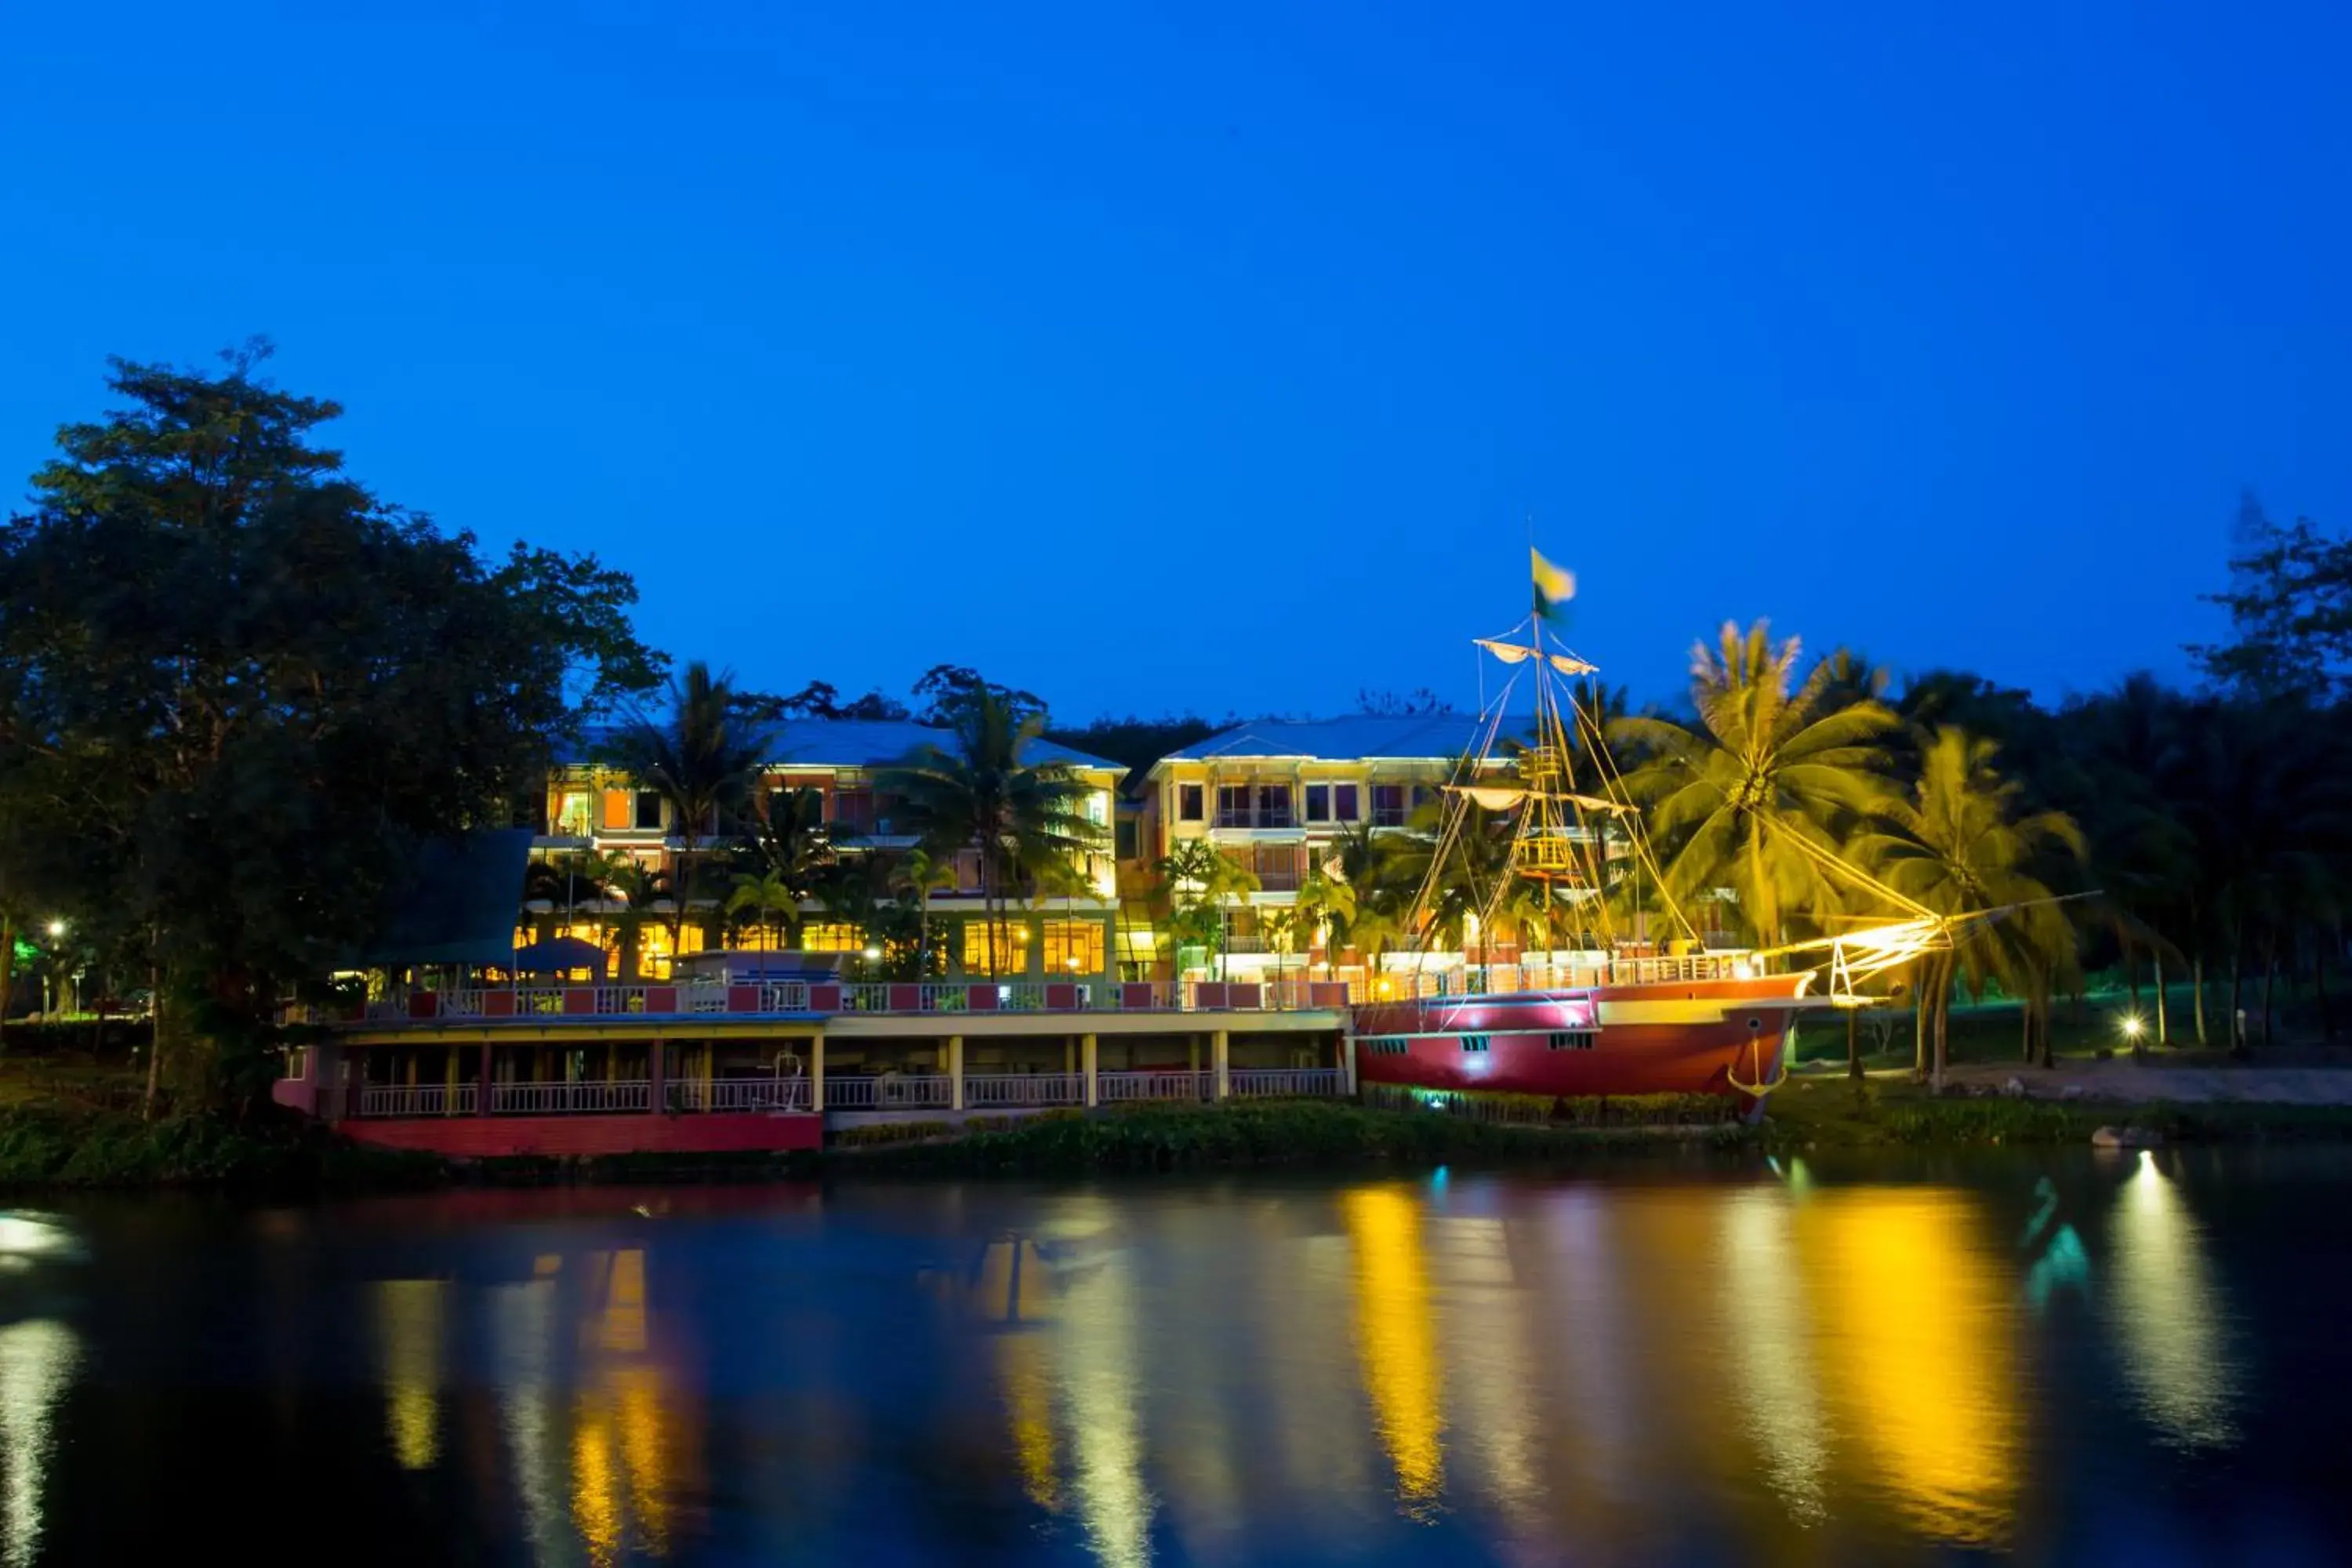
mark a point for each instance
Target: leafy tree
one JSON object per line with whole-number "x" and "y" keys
{"x": 1135, "y": 742}
{"x": 1769, "y": 764}
{"x": 237, "y": 687}
{"x": 821, "y": 699}
{"x": 703, "y": 757}
{"x": 948, "y": 692}
{"x": 2290, "y": 604}
{"x": 1417, "y": 703}
{"x": 1028, "y": 820}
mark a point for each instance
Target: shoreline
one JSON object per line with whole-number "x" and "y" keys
{"x": 61, "y": 1148}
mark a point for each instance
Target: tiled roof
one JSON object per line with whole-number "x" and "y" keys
{"x": 1357, "y": 737}
{"x": 865, "y": 743}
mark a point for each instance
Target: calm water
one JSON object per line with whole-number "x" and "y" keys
{"x": 2144, "y": 1360}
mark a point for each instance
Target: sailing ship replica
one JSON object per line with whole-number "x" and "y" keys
{"x": 1537, "y": 827}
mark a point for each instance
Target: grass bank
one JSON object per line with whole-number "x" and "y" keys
{"x": 52, "y": 1147}
{"x": 1810, "y": 1113}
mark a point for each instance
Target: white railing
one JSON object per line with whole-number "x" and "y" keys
{"x": 1270, "y": 1083}
{"x": 889, "y": 1091}
{"x": 1093, "y": 994}
{"x": 1003, "y": 1089}
{"x": 1121, "y": 1088}
{"x": 419, "y": 1100}
{"x": 560, "y": 1099}
{"x": 740, "y": 1094}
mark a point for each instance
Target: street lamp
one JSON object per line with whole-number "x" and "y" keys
{"x": 57, "y": 928}
{"x": 2132, "y": 1026}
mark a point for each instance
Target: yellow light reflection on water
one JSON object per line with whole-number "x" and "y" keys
{"x": 37, "y": 1361}
{"x": 2166, "y": 1310}
{"x": 1774, "y": 1379}
{"x": 595, "y": 1494}
{"x": 1103, "y": 1395}
{"x": 1028, "y": 1403}
{"x": 1396, "y": 1341}
{"x": 408, "y": 1314}
{"x": 1914, "y": 1334}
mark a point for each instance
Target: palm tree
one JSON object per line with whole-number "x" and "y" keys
{"x": 638, "y": 887}
{"x": 1027, "y": 820}
{"x": 793, "y": 849}
{"x": 1327, "y": 904}
{"x": 1201, "y": 884}
{"x": 921, "y": 872}
{"x": 702, "y": 759}
{"x": 1769, "y": 769}
{"x": 1965, "y": 842}
{"x": 1376, "y": 868}
{"x": 765, "y": 894}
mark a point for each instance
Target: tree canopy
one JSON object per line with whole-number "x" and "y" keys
{"x": 234, "y": 683}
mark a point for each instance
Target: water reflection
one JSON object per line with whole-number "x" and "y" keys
{"x": 1396, "y": 1339}
{"x": 37, "y": 1363}
{"x": 1914, "y": 1333}
{"x": 1774, "y": 1377}
{"x": 1689, "y": 1366}
{"x": 2165, "y": 1308}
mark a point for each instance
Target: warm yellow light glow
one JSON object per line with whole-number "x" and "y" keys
{"x": 1912, "y": 1329}
{"x": 2165, "y": 1310}
{"x": 1774, "y": 1379}
{"x": 409, "y": 1329}
{"x": 1396, "y": 1339}
{"x": 2132, "y": 1026}
{"x": 1021, "y": 1364}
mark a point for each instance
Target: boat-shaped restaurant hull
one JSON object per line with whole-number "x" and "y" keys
{"x": 1698, "y": 1036}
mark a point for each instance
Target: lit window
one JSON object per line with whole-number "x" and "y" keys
{"x": 1011, "y": 955}
{"x": 1069, "y": 940}
{"x": 574, "y": 814}
{"x": 830, "y": 936}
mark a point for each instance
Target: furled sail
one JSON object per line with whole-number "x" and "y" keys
{"x": 1493, "y": 797}
{"x": 1520, "y": 653}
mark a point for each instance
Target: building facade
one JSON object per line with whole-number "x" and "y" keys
{"x": 596, "y": 818}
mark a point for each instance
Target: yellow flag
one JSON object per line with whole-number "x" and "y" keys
{"x": 1553, "y": 584}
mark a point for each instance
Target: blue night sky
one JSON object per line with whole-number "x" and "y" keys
{"x": 1216, "y": 356}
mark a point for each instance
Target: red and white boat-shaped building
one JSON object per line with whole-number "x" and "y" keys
{"x": 1691, "y": 1026}
{"x": 1555, "y": 841}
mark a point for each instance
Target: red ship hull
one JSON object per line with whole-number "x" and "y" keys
{"x": 1696, "y": 1037}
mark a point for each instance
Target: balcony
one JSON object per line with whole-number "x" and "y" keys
{"x": 1256, "y": 819}
{"x": 528, "y": 1007}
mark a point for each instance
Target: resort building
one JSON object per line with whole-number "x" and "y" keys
{"x": 835, "y": 772}
{"x": 1274, "y": 798}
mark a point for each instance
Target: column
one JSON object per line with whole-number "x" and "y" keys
{"x": 1220, "y": 1059}
{"x": 955, "y": 1072}
{"x": 449, "y": 1084}
{"x": 1087, "y": 1058}
{"x": 658, "y": 1076}
{"x": 1347, "y": 1061}
{"x": 1069, "y": 1055}
{"x": 817, "y": 1072}
{"x": 482, "y": 1102}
